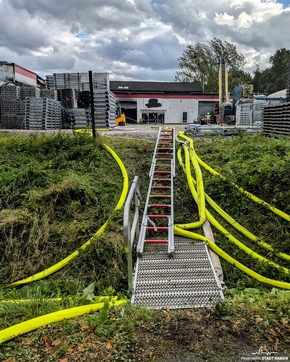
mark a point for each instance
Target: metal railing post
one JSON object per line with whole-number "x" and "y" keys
{"x": 131, "y": 231}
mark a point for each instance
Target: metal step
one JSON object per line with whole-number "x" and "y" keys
{"x": 186, "y": 280}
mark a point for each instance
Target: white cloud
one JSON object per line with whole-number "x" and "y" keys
{"x": 135, "y": 39}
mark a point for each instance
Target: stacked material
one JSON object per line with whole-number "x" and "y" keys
{"x": 77, "y": 118}
{"x": 29, "y": 91}
{"x": 288, "y": 82}
{"x": 276, "y": 118}
{"x": 49, "y": 93}
{"x": 244, "y": 112}
{"x": 100, "y": 81}
{"x": 105, "y": 109}
{"x": 64, "y": 81}
{"x": 42, "y": 113}
{"x": 68, "y": 98}
{"x": 78, "y": 81}
{"x": 249, "y": 111}
{"x": 258, "y": 106}
{"x": 12, "y": 107}
{"x": 74, "y": 92}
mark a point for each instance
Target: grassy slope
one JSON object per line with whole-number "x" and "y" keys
{"x": 51, "y": 203}
{"x": 261, "y": 166}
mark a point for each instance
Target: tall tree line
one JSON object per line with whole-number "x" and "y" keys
{"x": 200, "y": 63}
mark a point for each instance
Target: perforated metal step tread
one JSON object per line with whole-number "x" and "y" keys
{"x": 187, "y": 280}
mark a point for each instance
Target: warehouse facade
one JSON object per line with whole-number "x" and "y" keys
{"x": 162, "y": 102}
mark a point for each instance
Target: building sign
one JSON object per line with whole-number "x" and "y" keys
{"x": 152, "y": 102}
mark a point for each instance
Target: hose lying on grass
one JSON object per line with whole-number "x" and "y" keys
{"x": 189, "y": 154}
{"x": 56, "y": 267}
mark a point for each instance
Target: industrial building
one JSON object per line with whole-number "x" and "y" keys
{"x": 162, "y": 102}
{"x": 12, "y": 72}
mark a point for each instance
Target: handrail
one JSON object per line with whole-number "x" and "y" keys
{"x": 140, "y": 244}
{"x": 131, "y": 230}
{"x": 171, "y": 218}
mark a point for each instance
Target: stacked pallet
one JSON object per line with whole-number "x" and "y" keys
{"x": 249, "y": 111}
{"x": 63, "y": 81}
{"x": 68, "y": 97}
{"x": 74, "y": 92}
{"x": 12, "y": 107}
{"x": 288, "y": 82}
{"x": 77, "y": 118}
{"x": 244, "y": 113}
{"x": 258, "y": 106}
{"x": 42, "y": 113}
{"x": 276, "y": 118}
{"x": 29, "y": 91}
{"x": 49, "y": 93}
{"x": 100, "y": 81}
{"x": 78, "y": 81}
{"x": 105, "y": 109}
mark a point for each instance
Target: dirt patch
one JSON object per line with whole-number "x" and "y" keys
{"x": 190, "y": 336}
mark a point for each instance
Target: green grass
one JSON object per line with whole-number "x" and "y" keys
{"x": 261, "y": 166}
{"x": 56, "y": 191}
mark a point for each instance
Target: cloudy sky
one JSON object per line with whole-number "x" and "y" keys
{"x": 135, "y": 39}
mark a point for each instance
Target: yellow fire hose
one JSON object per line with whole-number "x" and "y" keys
{"x": 179, "y": 228}
{"x": 197, "y": 193}
{"x": 244, "y": 231}
{"x": 32, "y": 324}
{"x": 244, "y": 192}
{"x": 231, "y": 260}
{"x": 27, "y": 326}
{"x": 221, "y": 212}
{"x": 54, "y": 268}
{"x": 219, "y": 227}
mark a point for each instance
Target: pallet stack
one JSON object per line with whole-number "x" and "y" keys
{"x": 288, "y": 82}
{"x": 29, "y": 91}
{"x": 276, "y": 118}
{"x": 105, "y": 109}
{"x": 258, "y": 106}
{"x": 64, "y": 81}
{"x": 12, "y": 107}
{"x": 74, "y": 92}
{"x": 77, "y": 118}
{"x": 244, "y": 113}
{"x": 100, "y": 82}
{"x": 42, "y": 113}
{"x": 49, "y": 93}
{"x": 68, "y": 97}
{"x": 250, "y": 110}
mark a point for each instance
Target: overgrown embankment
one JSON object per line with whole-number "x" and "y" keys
{"x": 57, "y": 190}
{"x": 261, "y": 166}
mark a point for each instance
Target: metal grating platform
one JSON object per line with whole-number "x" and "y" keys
{"x": 186, "y": 280}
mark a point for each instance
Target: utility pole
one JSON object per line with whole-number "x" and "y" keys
{"x": 92, "y": 103}
{"x": 223, "y": 87}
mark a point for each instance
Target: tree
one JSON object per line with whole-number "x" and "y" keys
{"x": 273, "y": 78}
{"x": 200, "y": 63}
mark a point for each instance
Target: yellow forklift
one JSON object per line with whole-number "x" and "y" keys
{"x": 120, "y": 117}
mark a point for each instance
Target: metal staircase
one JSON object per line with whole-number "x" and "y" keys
{"x": 173, "y": 272}
{"x": 157, "y": 223}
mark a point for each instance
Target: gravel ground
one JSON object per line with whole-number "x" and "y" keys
{"x": 144, "y": 131}
{"x": 130, "y": 131}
